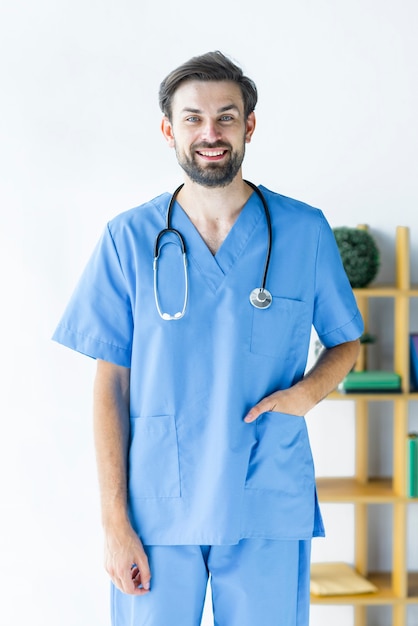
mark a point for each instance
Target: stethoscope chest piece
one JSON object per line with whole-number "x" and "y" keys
{"x": 261, "y": 298}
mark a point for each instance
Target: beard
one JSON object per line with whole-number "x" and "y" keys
{"x": 211, "y": 174}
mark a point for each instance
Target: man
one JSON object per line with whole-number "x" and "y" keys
{"x": 203, "y": 456}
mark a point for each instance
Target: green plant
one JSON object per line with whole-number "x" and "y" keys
{"x": 359, "y": 254}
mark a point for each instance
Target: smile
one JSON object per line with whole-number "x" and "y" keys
{"x": 211, "y": 153}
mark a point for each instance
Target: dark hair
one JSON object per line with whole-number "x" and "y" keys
{"x": 210, "y": 66}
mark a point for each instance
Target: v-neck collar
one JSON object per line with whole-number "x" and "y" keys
{"x": 214, "y": 268}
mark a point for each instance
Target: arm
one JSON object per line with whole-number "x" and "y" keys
{"x": 331, "y": 367}
{"x": 123, "y": 547}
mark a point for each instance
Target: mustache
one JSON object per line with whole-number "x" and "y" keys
{"x": 205, "y": 145}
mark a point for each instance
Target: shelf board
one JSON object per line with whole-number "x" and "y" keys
{"x": 380, "y": 396}
{"x": 384, "y": 595}
{"x": 348, "y": 489}
{"x": 386, "y": 291}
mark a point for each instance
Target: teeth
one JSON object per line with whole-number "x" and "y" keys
{"x": 212, "y": 154}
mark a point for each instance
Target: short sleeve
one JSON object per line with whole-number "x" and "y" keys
{"x": 336, "y": 315}
{"x": 98, "y": 319}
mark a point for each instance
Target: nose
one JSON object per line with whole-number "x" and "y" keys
{"x": 211, "y": 131}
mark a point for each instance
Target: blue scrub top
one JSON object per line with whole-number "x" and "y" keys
{"x": 198, "y": 474}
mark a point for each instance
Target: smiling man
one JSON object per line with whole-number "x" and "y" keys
{"x": 198, "y": 307}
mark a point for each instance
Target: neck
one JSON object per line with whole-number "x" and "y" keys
{"x": 213, "y": 211}
{"x": 214, "y": 203}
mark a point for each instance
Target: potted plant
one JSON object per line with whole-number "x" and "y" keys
{"x": 359, "y": 254}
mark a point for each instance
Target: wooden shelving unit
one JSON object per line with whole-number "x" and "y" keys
{"x": 398, "y": 588}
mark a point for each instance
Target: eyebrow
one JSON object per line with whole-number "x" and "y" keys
{"x": 223, "y": 109}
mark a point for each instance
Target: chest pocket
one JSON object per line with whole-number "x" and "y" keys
{"x": 279, "y": 330}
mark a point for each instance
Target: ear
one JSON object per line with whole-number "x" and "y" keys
{"x": 249, "y": 127}
{"x": 167, "y": 130}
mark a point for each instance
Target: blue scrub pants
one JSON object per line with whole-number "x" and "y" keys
{"x": 254, "y": 583}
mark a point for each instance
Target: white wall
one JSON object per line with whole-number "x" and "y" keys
{"x": 80, "y": 142}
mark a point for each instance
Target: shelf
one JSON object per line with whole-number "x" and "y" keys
{"x": 384, "y": 595}
{"x": 397, "y": 589}
{"x": 349, "y": 489}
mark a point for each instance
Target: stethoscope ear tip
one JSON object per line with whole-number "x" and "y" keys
{"x": 176, "y": 316}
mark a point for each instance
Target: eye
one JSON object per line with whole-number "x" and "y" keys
{"x": 192, "y": 119}
{"x": 226, "y": 118}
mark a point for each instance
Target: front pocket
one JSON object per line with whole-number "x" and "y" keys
{"x": 279, "y": 330}
{"x": 153, "y": 458}
{"x": 281, "y": 458}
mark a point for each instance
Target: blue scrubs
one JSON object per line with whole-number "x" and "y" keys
{"x": 256, "y": 582}
{"x": 199, "y": 475}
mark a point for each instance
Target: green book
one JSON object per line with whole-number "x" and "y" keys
{"x": 412, "y": 456}
{"x": 371, "y": 381}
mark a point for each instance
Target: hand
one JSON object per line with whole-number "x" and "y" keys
{"x": 290, "y": 401}
{"x": 127, "y": 563}
{"x": 331, "y": 367}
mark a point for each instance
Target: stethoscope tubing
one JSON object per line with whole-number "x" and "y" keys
{"x": 269, "y": 232}
{"x": 260, "y": 297}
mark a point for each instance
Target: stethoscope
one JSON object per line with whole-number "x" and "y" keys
{"x": 260, "y": 297}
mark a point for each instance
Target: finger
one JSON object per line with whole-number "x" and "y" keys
{"x": 143, "y": 574}
{"x": 128, "y": 579}
{"x": 140, "y": 572}
{"x": 262, "y": 407}
{"x": 134, "y": 571}
{"x": 137, "y": 578}
{"x": 252, "y": 415}
{"x": 144, "y": 587}
{"x": 131, "y": 585}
